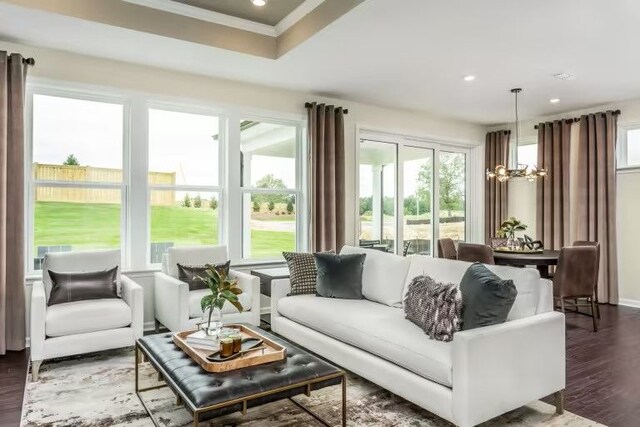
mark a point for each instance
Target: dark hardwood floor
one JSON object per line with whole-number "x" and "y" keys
{"x": 603, "y": 370}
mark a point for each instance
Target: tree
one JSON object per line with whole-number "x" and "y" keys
{"x": 197, "y": 202}
{"x": 71, "y": 161}
{"x": 366, "y": 205}
{"x": 187, "y": 201}
{"x": 271, "y": 182}
{"x": 271, "y": 206}
{"x": 256, "y": 206}
{"x": 213, "y": 204}
{"x": 289, "y": 206}
{"x": 452, "y": 177}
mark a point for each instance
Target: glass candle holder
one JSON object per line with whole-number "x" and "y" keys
{"x": 226, "y": 347}
{"x": 237, "y": 342}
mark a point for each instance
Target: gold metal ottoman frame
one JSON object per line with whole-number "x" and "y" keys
{"x": 140, "y": 353}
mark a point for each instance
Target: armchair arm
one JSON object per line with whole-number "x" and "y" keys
{"x": 133, "y": 295}
{"x": 37, "y": 323}
{"x": 251, "y": 286}
{"x": 502, "y": 367}
{"x": 171, "y": 298}
{"x": 279, "y": 289}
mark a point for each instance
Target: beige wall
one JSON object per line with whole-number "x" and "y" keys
{"x": 522, "y": 200}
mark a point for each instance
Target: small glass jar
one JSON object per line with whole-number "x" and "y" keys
{"x": 237, "y": 342}
{"x": 226, "y": 347}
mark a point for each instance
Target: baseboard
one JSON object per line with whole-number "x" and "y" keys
{"x": 629, "y": 302}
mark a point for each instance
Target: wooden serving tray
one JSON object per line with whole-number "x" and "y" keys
{"x": 272, "y": 353}
{"x": 519, "y": 251}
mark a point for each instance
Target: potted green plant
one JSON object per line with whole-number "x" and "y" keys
{"x": 508, "y": 230}
{"x": 223, "y": 289}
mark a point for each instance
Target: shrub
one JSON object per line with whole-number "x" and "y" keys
{"x": 256, "y": 206}
{"x": 197, "y": 201}
{"x": 213, "y": 204}
{"x": 187, "y": 201}
{"x": 289, "y": 207}
{"x": 271, "y": 206}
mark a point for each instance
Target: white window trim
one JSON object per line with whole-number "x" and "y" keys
{"x": 437, "y": 146}
{"x": 135, "y": 206}
{"x": 621, "y": 148}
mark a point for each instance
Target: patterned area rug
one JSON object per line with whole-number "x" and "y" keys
{"x": 97, "y": 390}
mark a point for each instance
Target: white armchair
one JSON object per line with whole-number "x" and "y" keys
{"x": 83, "y": 326}
{"x": 179, "y": 309}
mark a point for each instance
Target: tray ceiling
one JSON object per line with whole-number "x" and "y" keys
{"x": 270, "y": 14}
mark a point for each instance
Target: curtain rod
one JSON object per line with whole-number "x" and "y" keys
{"x": 28, "y": 61}
{"x": 309, "y": 105}
{"x": 577, "y": 119}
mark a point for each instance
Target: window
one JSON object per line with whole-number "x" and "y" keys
{"x": 629, "y": 148}
{"x": 184, "y": 177}
{"x": 77, "y": 185}
{"x": 124, "y": 170}
{"x": 431, "y": 180}
{"x": 528, "y": 154}
{"x": 271, "y": 183}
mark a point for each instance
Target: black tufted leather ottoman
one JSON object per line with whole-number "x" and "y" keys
{"x": 208, "y": 395}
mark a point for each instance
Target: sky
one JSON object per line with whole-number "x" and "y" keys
{"x": 178, "y": 142}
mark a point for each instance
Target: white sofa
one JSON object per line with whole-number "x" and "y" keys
{"x": 179, "y": 309}
{"x": 83, "y": 326}
{"x": 481, "y": 374}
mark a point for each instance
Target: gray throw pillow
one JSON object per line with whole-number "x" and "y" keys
{"x": 435, "y": 307}
{"x": 339, "y": 276}
{"x": 69, "y": 287}
{"x": 192, "y": 274}
{"x": 487, "y": 299}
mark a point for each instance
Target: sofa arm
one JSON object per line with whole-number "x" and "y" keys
{"x": 37, "y": 323}
{"x": 133, "y": 295}
{"x": 280, "y": 288}
{"x": 502, "y": 367}
{"x": 251, "y": 286}
{"x": 171, "y": 300}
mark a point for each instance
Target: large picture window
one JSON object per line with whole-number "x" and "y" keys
{"x": 77, "y": 179}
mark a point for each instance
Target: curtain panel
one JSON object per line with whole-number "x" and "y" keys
{"x": 13, "y": 72}
{"x": 327, "y": 177}
{"x": 553, "y": 198}
{"x": 595, "y": 213}
{"x": 496, "y": 152}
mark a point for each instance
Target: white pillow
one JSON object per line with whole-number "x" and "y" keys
{"x": 383, "y": 276}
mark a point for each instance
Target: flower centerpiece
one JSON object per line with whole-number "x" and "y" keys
{"x": 223, "y": 289}
{"x": 508, "y": 230}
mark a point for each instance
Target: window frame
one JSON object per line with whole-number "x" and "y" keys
{"x": 31, "y": 184}
{"x": 622, "y": 148}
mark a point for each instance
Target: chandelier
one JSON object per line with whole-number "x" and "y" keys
{"x": 529, "y": 172}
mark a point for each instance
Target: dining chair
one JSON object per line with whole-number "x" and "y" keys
{"x": 447, "y": 249}
{"x": 498, "y": 242}
{"x": 575, "y": 279}
{"x": 597, "y": 246}
{"x": 472, "y": 252}
{"x": 406, "y": 247}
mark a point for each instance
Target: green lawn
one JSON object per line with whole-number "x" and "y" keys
{"x": 83, "y": 225}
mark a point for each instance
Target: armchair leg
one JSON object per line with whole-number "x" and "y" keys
{"x": 35, "y": 369}
{"x": 558, "y": 397}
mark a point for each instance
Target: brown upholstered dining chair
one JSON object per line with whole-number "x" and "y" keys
{"x": 597, "y": 246}
{"x": 575, "y": 279}
{"x": 472, "y": 252}
{"x": 447, "y": 249}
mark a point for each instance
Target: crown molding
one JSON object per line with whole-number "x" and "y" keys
{"x": 296, "y": 15}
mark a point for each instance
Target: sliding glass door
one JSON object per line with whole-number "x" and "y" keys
{"x": 410, "y": 194}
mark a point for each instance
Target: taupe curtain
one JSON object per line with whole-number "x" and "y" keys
{"x": 496, "y": 152}
{"x": 553, "y": 216}
{"x": 595, "y": 212}
{"x": 13, "y": 72}
{"x": 326, "y": 139}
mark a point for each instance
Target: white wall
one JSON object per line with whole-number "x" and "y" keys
{"x": 52, "y": 65}
{"x": 522, "y": 196}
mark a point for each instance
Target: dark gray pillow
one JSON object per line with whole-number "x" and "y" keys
{"x": 339, "y": 276}
{"x": 192, "y": 274}
{"x": 69, "y": 287}
{"x": 435, "y": 307}
{"x": 486, "y": 298}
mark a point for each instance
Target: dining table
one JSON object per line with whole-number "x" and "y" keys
{"x": 541, "y": 260}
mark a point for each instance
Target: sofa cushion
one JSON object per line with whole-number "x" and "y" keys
{"x": 81, "y": 317}
{"x": 192, "y": 255}
{"x": 195, "y": 309}
{"x": 383, "y": 275}
{"x": 376, "y": 328}
{"x": 526, "y": 280}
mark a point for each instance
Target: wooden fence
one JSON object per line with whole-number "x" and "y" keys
{"x": 86, "y": 174}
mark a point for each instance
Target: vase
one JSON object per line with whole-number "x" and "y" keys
{"x": 211, "y": 322}
{"x": 512, "y": 243}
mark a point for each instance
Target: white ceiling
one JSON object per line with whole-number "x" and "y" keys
{"x": 409, "y": 54}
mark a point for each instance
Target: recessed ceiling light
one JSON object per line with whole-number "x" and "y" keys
{"x": 565, "y": 76}
{"x": 259, "y": 2}
{"x": 469, "y": 78}
{"x": 554, "y": 100}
